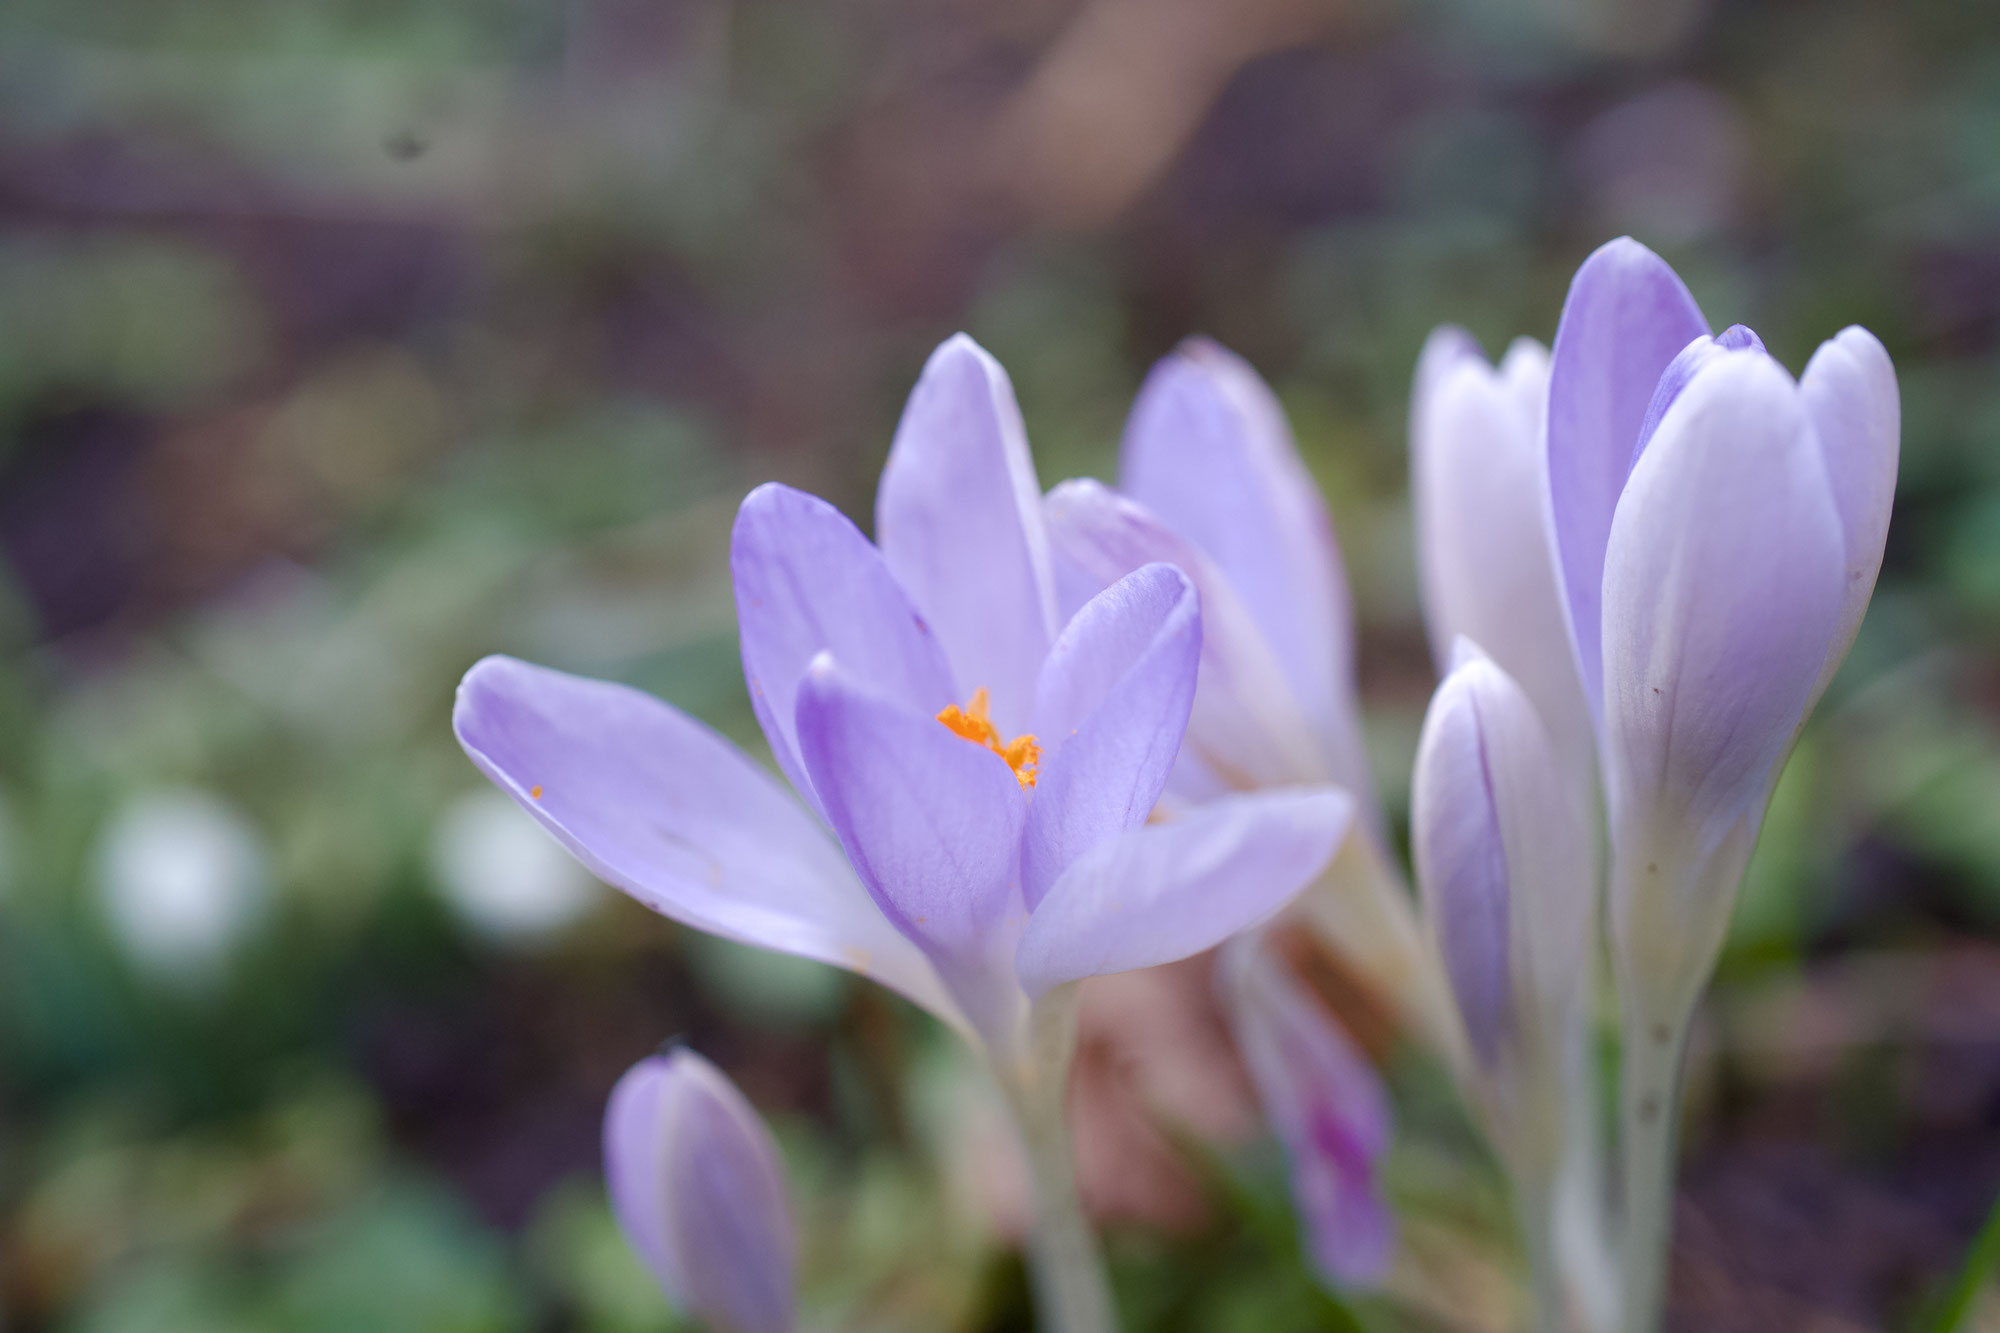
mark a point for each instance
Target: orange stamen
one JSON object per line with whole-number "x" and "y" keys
{"x": 1022, "y": 754}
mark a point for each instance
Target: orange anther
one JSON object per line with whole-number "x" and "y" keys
{"x": 974, "y": 724}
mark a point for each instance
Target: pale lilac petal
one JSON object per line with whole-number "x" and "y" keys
{"x": 1851, "y": 396}
{"x": 1247, "y": 729}
{"x": 1525, "y": 372}
{"x": 663, "y": 808}
{"x": 1168, "y": 891}
{"x": 1483, "y": 548}
{"x": 958, "y": 518}
{"x": 1503, "y": 862}
{"x": 1442, "y": 351}
{"x": 931, "y": 822}
{"x": 697, "y": 1186}
{"x": 635, "y": 1171}
{"x": 1207, "y": 449}
{"x": 1722, "y": 592}
{"x": 808, "y": 582}
{"x": 1327, "y": 1107}
{"x": 1626, "y": 318}
{"x": 1681, "y": 370}
{"x": 1461, "y": 864}
{"x": 1110, "y": 710}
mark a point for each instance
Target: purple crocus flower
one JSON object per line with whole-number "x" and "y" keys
{"x": 1718, "y": 526}
{"x": 1504, "y": 869}
{"x": 987, "y": 769}
{"x": 1326, "y": 1105}
{"x": 698, "y": 1190}
{"x": 1213, "y": 483}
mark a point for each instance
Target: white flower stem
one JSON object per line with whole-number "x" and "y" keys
{"x": 1649, "y": 1115}
{"x": 1072, "y": 1293}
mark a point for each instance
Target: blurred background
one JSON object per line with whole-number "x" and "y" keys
{"x": 345, "y": 341}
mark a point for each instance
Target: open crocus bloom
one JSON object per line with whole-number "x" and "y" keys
{"x": 1212, "y": 482}
{"x": 1718, "y": 527}
{"x": 698, "y": 1190}
{"x": 987, "y": 770}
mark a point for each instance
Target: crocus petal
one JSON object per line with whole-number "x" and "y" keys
{"x": 1247, "y": 729}
{"x": 1626, "y": 318}
{"x": 1681, "y": 370}
{"x": 1850, "y": 393}
{"x": 1461, "y": 864}
{"x": 1110, "y": 710}
{"x": 1169, "y": 891}
{"x": 930, "y": 821}
{"x": 959, "y": 520}
{"x": 697, "y": 1187}
{"x": 1722, "y": 590}
{"x": 1446, "y": 346}
{"x": 1207, "y": 449}
{"x": 1326, "y": 1105}
{"x": 663, "y": 808}
{"x": 808, "y": 582}
{"x": 1502, "y": 861}
{"x": 1482, "y": 538}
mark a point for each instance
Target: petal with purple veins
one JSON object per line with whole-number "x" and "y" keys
{"x": 931, "y": 822}
{"x": 1168, "y": 891}
{"x": 958, "y": 517}
{"x": 808, "y": 582}
{"x": 658, "y": 805}
{"x": 1111, "y": 706}
{"x": 1627, "y": 317}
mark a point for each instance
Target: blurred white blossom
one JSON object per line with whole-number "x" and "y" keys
{"x": 182, "y": 879}
{"x": 502, "y": 876}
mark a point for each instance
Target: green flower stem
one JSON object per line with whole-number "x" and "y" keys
{"x": 1072, "y": 1294}
{"x": 1649, "y": 1114}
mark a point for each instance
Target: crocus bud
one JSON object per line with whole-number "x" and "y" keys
{"x": 1505, "y": 874}
{"x": 696, "y": 1185}
{"x": 1478, "y": 485}
{"x": 1325, "y": 1104}
{"x": 1718, "y": 528}
{"x": 1724, "y": 591}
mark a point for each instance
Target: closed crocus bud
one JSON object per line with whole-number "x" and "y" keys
{"x": 1725, "y": 601}
{"x": 1507, "y": 877}
{"x": 1718, "y": 527}
{"x": 696, "y": 1184}
{"x": 1327, "y": 1107}
{"x": 1478, "y": 485}
{"x": 1504, "y": 872}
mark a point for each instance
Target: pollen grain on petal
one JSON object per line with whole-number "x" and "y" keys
{"x": 973, "y": 722}
{"x": 535, "y": 792}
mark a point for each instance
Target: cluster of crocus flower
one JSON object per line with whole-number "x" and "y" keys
{"x": 1645, "y": 552}
{"x": 1035, "y": 739}
{"x": 985, "y": 742}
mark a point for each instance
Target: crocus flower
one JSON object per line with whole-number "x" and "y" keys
{"x": 1718, "y": 527}
{"x": 1505, "y": 868}
{"x": 987, "y": 770}
{"x": 1478, "y": 485}
{"x": 697, "y": 1188}
{"x": 1325, "y": 1104}
{"x": 1212, "y": 482}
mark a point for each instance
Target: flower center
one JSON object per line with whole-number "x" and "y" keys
{"x": 1022, "y": 753}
